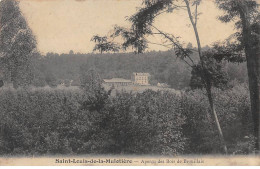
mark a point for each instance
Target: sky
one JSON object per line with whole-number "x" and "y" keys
{"x": 64, "y": 25}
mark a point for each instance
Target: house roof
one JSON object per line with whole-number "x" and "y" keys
{"x": 141, "y": 74}
{"x": 117, "y": 80}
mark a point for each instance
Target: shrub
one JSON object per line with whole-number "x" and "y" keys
{"x": 233, "y": 110}
{"x": 147, "y": 123}
{"x": 29, "y": 118}
{"x": 74, "y": 121}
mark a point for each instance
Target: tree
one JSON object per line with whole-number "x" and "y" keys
{"x": 89, "y": 78}
{"x": 103, "y": 45}
{"x": 91, "y": 83}
{"x": 218, "y": 77}
{"x": 71, "y": 52}
{"x": 17, "y": 44}
{"x": 142, "y": 26}
{"x": 189, "y": 45}
{"x": 50, "y": 79}
{"x": 248, "y": 41}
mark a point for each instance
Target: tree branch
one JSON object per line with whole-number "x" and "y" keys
{"x": 176, "y": 44}
{"x": 167, "y": 46}
{"x": 196, "y": 14}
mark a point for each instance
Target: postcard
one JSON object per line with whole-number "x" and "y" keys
{"x": 129, "y": 82}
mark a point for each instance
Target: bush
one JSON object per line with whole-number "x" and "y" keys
{"x": 199, "y": 128}
{"x": 147, "y": 123}
{"x": 53, "y": 121}
{"x": 233, "y": 110}
{"x": 74, "y": 121}
{"x": 30, "y": 119}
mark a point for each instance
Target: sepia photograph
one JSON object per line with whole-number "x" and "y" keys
{"x": 129, "y": 82}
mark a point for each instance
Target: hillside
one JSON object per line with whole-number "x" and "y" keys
{"x": 163, "y": 66}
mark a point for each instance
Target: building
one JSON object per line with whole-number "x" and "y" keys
{"x": 163, "y": 85}
{"x": 140, "y": 78}
{"x": 117, "y": 82}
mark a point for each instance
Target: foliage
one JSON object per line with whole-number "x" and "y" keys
{"x": 233, "y": 49}
{"x": 232, "y": 8}
{"x": 247, "y": 14}
{"x": 213, "y": 71}
{"x": 233, "y": 111}
{"x": 17, "y": 44}
{"x": 103, "y": 45}
{"x": 163, "y": 66}
{"x": 53, "y": 121}
{"x": 229, "y": 52}
{"x": 142, "y": 26}
{"x": 45, "y": 121}
{"x": 145, "y": 124}
{"x": 50, "y": 79}
{"x": 39, "y": 121}
{"x": 90, "y": 79}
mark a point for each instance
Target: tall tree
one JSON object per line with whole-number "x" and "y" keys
{"x": 17, "y": 44}
{"x": 246, "y": 12}
{"x": 90, "y": 79}
{"x": 92, "y": 85}
{"x": 142, "y": 26}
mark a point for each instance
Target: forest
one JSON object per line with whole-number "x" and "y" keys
{"x": 163, "y": 66}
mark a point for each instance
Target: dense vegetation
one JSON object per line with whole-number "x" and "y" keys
{"x": 17, "y": 45}
{"x": 69, "y": 121}
{"x": 163, "y": 66}
{"x": 90, "y": 120}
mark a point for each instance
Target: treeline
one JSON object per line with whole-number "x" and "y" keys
{"x": 54, "y": 121}
{"x": 163, "y": 66}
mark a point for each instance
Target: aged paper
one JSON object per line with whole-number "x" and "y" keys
{"x": 129, "y": 83}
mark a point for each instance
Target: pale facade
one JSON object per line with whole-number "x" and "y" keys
{"x": 140, "y": 78}
{"x": 117, "y": 82}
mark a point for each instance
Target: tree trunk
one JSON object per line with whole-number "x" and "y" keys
{"x": 207, "y": 84}
{"x": 252, "y": 57}
{"x": 257, "y": 123}
{"x": 214, "y": 113}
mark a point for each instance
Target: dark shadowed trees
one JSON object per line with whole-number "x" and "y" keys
{"x": 17, "y": 44}
{"x": 246, "y": 12}
{"x": 218, "y": 76}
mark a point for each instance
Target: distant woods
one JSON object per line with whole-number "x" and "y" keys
{"x": 164, "y": 67}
